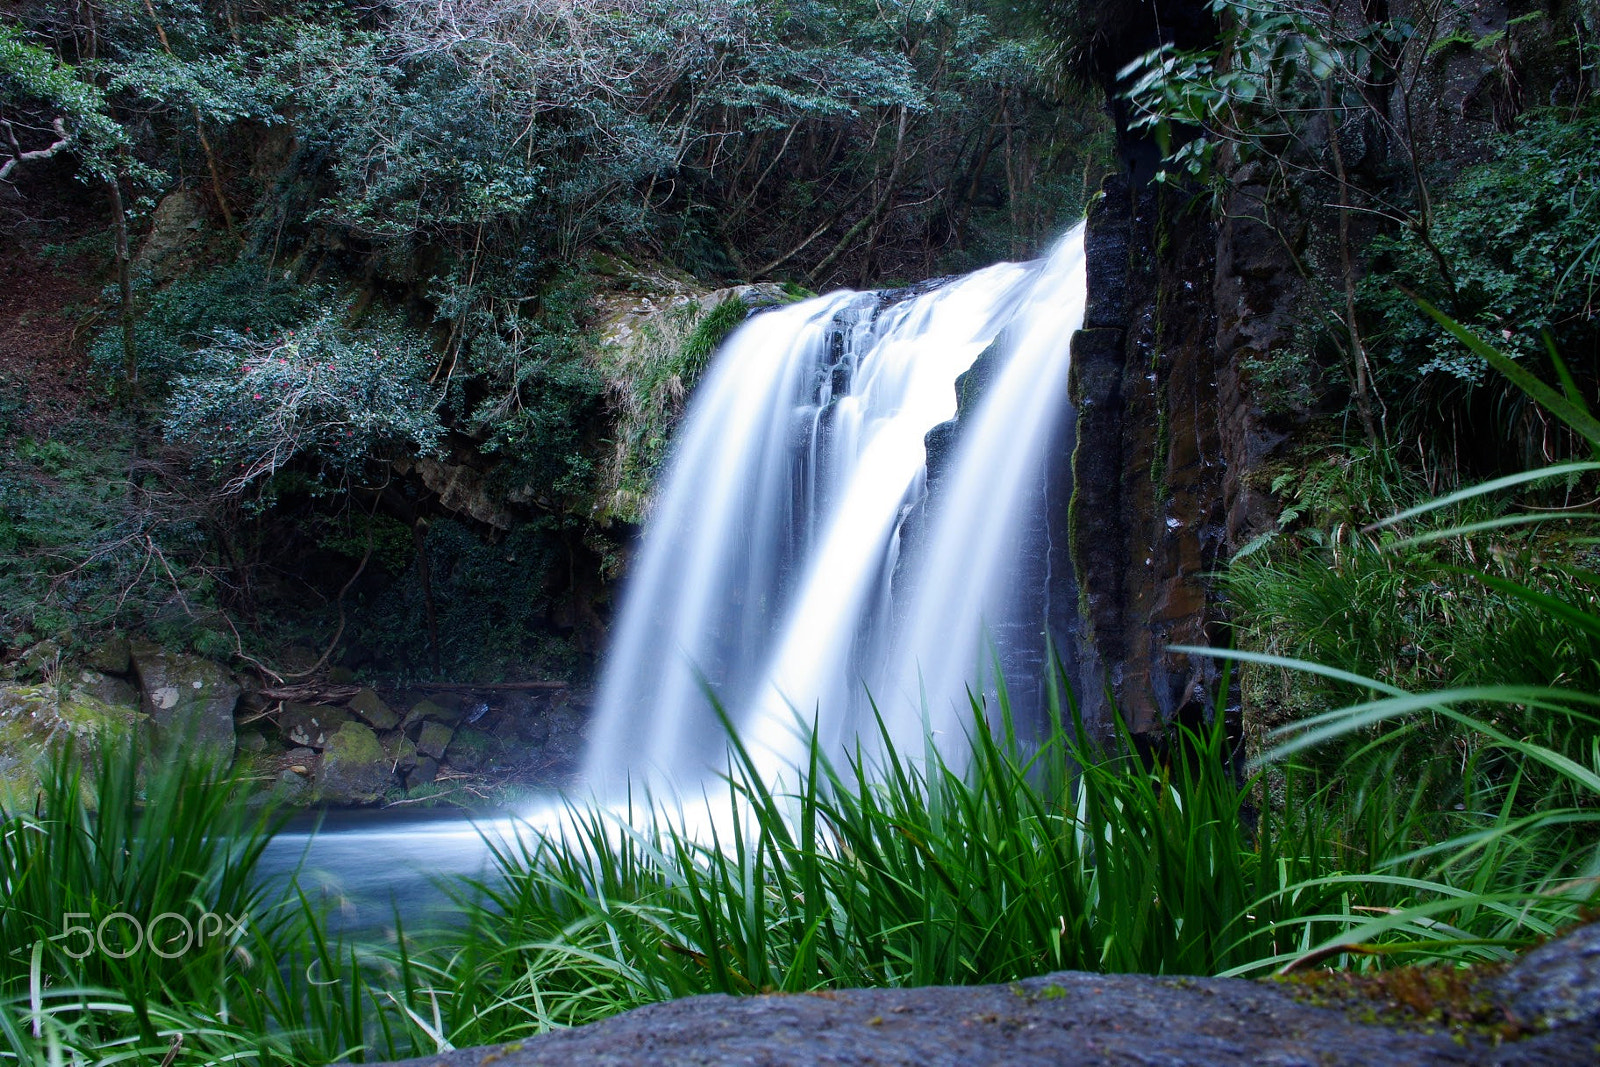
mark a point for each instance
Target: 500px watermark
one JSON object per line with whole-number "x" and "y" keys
{"x": 120, "y": 934}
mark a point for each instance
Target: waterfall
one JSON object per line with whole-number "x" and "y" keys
{"x": 797, "y": 560}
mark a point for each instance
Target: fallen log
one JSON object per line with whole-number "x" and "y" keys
{"x": 488, "y": 687}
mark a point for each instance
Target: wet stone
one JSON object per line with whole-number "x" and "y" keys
{"x": 311, "y": 725}
{"x": 434, "y": 739}
{"x": 190, "y": 701}
{"x": 1558, "y": 983}
{"x": 425, "y": 771}
{"x": 107, "y": 689}
{"x": 113, "y": 655}
{"x": 371, "y": 708}
{"x": 426, "y": 711}
{"x": 354, "y": 769}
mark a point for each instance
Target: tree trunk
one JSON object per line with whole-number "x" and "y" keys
{"x": 130, "y": 351}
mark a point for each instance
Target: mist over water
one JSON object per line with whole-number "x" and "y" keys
{"x": 770, "y": 574}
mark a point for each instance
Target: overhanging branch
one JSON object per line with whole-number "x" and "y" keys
{"x": 20, "y": 158}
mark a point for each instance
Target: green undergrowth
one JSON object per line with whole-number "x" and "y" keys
{"x": 896, "y": 870}
{"x": 1453, "y": 596}
{"x": 84, "y": 548}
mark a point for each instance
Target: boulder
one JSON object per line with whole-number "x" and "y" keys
{"x": 252, "y": 741}
{"x": 371, "y": 708}
{"x": 354, "y": 768}
{"x": 176, "y": 231}
{"x": 400, "y": 750}
{"x": 35, "y": 719}
{"x": 426, "y": 770}
{"x": 471, "y": 750}
{"x": 462, "y": 489}
{"x": 112, "y": 655}
{"x": 429, "y": 711}
{"x": 1074, "y": 1019}
{"x": 560, "y": 752}
{"x": 107, "y": 690}
{"x": 1558, "y": 983}
{"x": 1063, "y": 1020}
{"x": 311, "y": 725}
{"x": 434, "y": 739}
{"x": 189, "y": 700}
{"x": 291, "y": 788}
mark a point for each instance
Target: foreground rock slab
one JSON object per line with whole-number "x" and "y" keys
{"x": 1068, "y": 1019}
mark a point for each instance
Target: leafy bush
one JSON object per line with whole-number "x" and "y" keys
{"x": 544, "y": 400}
{"x": 333, "y": 394}
{"x": 82, "y": 549}
{"x": 1519, "y": 235}
{"x": 173, "y": 322}
{"x": 546, "y": 443}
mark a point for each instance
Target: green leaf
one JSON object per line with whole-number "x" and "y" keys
{"x": 1559, "y": 406}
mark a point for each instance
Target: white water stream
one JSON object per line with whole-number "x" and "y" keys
{"x": 770, "y": 574}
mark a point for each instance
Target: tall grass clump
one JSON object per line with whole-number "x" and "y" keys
{"x": 1456, "y": 640}
{"x": 897, "y": 870}
{"x": 85, "y": 872}
{"x": 136, "y": 927}
{"x": 890, "y": 870}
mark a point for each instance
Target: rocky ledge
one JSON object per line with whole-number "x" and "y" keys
{"x": 1551, "y": 998}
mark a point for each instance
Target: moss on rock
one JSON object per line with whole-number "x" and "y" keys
{"x": 34, "y": 720}
{"x": 354, "y": 767}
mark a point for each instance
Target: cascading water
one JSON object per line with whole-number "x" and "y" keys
{"x": 770, "y": 574}
{"x": 798, "y": 558}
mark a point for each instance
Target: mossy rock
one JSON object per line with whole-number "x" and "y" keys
{"x": 355, "y": 770}
{"x": 430, "y": 711}
{"x": 311, "y": 725}
{"x": 422, "y": 775}
{"x": 34, "y": 720}
{"x": 190, "y": 701}
{"x": 434, "y": 739}
{"x": 472, "y": 750}
{"x": 400, "y": 750}
{"x": 370, "y": 707}
{"x": 107, "y": 689}
{"x": 111, "y": 655}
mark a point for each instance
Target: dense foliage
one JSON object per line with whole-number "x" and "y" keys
{"x": 907, "y": 872}
{"x": 1517, "y": 234}
{"x": 1393, "y": 149}
{"x": 251, "y": 406}
{"x": 343, "y": 236}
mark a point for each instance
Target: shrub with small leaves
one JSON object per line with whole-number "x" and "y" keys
{"x": 326, "y": 393}
{"x": 1519, "y": 233}
{"x": 243, "y": 297}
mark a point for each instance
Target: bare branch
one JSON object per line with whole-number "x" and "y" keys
{"x": 20, "y": 158}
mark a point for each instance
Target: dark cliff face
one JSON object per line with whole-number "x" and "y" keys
{"x": 1148, "y": 516}
{"x": 1175, "y": 427}
{"x": 1147, "y": 520}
